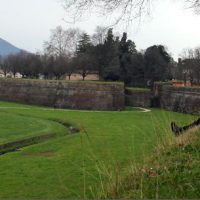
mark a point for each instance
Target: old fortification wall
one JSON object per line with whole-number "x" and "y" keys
{"x": 63, "y": 94}
{"x": 97, "y": 95}
{"x": 138, "y": 98}
{"x": 179, "y": 99}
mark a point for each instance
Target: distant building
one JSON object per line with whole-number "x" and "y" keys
{"x": 18, "y": 75}
{"x": 10, "y": 75}
{"x": 41, "y": 77}
{"x": 181, "y": 83}
{"x": 1, "y": 74}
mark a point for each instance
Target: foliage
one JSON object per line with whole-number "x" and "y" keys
{"x": 111, "y": 57}
{"x": 83, "y": 44}
{"x": 131, "y": 62}
{"x": 84, "y": 62}
{"x": 111, "y": 64}
{"x": 157, "y": 64}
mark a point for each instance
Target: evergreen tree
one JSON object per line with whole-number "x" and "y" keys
{"x": 127, "y": 57}
{"x": 85, "y": 59}
{"x": 111, "y": 67}
{"x": 84, "y": 44}
{"x": 157, "y": 64}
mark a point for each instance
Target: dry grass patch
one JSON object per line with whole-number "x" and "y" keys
{"x": 187, "y": 137}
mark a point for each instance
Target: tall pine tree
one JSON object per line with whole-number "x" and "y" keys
{"x": 84, "y": 44}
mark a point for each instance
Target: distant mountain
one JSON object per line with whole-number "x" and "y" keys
{"x": 6, "y": 48}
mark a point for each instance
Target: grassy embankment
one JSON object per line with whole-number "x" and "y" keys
{"x": 90, "y": 164}
{"x": 171, "y": 172}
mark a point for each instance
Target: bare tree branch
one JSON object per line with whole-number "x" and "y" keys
{"x": 62, "y": 42}
{"x": 126, "y": 9}
{"x": 194, "y": 4}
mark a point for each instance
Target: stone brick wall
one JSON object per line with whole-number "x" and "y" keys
{"x": 179, "y": 99}
{"x": 63, "y": 94}
{"x": 138, "y": 98}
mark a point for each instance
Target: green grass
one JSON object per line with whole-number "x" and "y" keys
{"x": 83, "y": 165}
{"x": 172, "y": 172}
{"x": 135, "y": 89}
{"x": 66, "y": 81}
{"x": 14, "y": 127}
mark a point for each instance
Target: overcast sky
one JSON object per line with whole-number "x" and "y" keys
{"x": 27, "y": 24}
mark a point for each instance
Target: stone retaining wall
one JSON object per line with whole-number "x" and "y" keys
{"x": 179, "y": 99}
{"x": 138, "y": 98}
{"x": 63, "y": 94}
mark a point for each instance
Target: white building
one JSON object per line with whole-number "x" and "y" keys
{"x": 10, "y": 75}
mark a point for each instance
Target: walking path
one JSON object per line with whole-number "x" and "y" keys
{"x": 143, "y": 110}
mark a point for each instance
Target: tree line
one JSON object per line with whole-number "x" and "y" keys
{"x": 188, "y": 67}
{"x": 112, "y": 57}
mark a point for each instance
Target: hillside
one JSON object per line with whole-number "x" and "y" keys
{"x": 6, "y": 48}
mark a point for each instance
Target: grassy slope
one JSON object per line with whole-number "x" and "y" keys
{"x": 15, "y": 127}
{"x": 172, "y": 172}
{"x": 79, "y": 165}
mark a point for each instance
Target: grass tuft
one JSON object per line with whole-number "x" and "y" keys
{"x": 172, "y": 172}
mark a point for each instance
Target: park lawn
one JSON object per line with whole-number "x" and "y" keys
{"x": 81, "y": 165}
{"x": 14, "y": 127}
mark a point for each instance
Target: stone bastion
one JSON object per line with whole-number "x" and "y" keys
{"x": 64, "y": 94}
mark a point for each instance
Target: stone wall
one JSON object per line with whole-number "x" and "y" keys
{"x": 63, "y": 94}
{"x": 138, "y": 98}
{"x": 179, "y": 99}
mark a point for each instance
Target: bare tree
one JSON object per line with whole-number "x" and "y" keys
{"x": 5, "y": 67}
{"x": 197, "y": 65}
{"x": 126, "y": 9}
{"x": 62, "y": 42}
{"x": 99, "y": 36}
{"x": 190, "y": 64}
{"x": 194, "y": 4}
{"x": 84, "y": 65}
